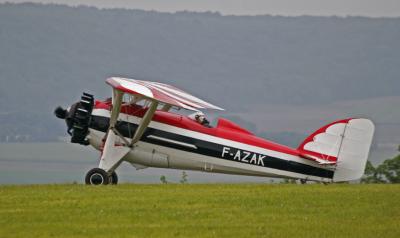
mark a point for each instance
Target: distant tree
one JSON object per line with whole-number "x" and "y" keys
{"x": 371, "y": 174}
{"x": 163, "y": 179}
{"x": 387, "y": 172}
{"x": 184, "y": 178}
{"x": 390, "y": 170}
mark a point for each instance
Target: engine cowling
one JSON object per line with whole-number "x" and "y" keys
{"x": 78, "y": 118}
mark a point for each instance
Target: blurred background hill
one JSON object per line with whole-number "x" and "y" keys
{"x": 282, "y": 77}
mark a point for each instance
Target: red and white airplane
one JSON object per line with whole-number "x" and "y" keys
{"x": 137, "y": 126}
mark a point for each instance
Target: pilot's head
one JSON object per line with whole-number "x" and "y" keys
{"x": 200, "y": 117}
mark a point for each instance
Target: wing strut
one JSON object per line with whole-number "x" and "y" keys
{"x": 116, "y": 107}
{"x": 144, "y": 122}
{"x": 112, "y": 153}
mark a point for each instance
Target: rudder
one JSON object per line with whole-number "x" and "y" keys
{"x": 354, "y": 150}
{"x": 344, "y": 144}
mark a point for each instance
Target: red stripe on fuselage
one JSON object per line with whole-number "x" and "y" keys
{"x": 184, "y": 122}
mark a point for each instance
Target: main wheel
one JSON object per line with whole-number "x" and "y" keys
{"x": 97, "y": 176}
{"x": 113, "y": 178}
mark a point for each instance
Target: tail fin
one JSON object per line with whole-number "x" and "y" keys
{"x": 345, "y": 144}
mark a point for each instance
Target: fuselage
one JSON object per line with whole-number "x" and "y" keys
{"x": 176, "y": 141}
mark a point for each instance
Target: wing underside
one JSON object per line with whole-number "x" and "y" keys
{"x": 160, "y": 92}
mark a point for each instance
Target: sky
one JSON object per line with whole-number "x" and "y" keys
{"x": 370, "y": 8}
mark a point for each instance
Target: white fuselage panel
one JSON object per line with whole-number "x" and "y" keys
{"x": 164, "y": 156}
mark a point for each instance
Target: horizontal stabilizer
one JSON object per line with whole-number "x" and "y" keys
{"x": 318, "y": 160}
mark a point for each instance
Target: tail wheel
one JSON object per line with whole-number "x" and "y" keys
{"x": 97, "y": 176}
{"x": 113, "y": 178}
{"x": 82, "y": 119}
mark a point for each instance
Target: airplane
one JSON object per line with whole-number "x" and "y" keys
{"x": 142, "y": 124}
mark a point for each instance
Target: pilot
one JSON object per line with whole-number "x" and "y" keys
{"x": 200, "y": 118}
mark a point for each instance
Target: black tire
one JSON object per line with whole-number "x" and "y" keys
{"x": 113, "y": 178}
{"x": 97, "y": 176}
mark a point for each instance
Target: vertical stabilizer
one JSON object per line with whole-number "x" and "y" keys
{"x": 344, "y": 144}
{"x": 354, "y": 150}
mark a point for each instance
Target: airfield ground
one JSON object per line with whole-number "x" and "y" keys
{"x": 216, "y": 210}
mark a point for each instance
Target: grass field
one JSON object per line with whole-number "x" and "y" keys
{"x": 216, "y": 210}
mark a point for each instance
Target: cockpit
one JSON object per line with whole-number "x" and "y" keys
{"x": 132, "y": 104}
{"x": 200, "y": 118}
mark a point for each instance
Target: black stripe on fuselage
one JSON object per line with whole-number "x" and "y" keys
{"x": 208, "y": 148}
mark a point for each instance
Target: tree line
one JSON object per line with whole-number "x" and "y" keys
{"x": 387, "y": 172}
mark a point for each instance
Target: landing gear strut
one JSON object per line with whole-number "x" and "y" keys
{"x": 98, "y": 176}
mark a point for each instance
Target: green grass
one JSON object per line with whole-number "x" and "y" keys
{"x": 249, "y": 210}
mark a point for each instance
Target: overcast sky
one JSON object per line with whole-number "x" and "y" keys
{"x": 373, "y": 8}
